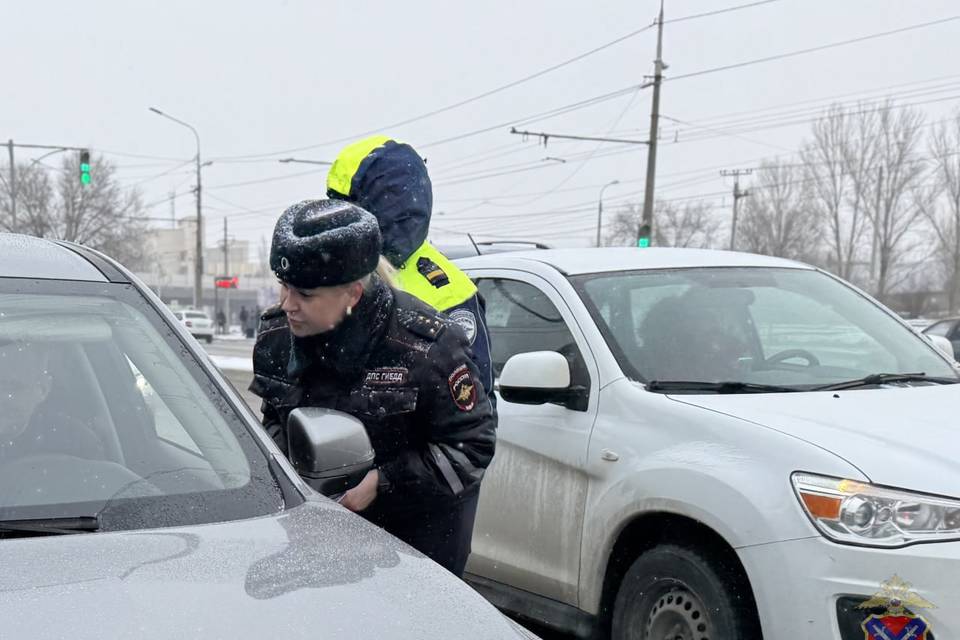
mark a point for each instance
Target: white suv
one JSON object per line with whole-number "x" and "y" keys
{"x": 698, "y": 444}
{"x": 197, "y": 323}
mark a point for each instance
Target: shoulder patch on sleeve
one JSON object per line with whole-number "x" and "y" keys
{"x": 432, "y": 272}
{"x": 463, "y": 388}
{"x": 467, "y": 321}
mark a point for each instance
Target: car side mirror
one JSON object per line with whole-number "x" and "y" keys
{"x": 540, "y": 377}
{"x": 943, "y": 344}
{"x": 329, "y": 449}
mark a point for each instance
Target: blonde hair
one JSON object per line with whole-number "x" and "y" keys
{"x": 385, "y": 271}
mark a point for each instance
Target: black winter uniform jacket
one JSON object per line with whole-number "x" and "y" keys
{"x": 405, "y": 371}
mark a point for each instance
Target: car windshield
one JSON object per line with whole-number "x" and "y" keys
{"x": 195, "y": 315}
{"x": 796, "y": 328}
{"x": 105, "y": 414}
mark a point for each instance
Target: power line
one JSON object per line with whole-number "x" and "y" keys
{"x": 543, "y": 115}
{"x": 263, "y": 180}
{"x": 460, "y": 103}
{"x": 799, "y": 52}
{"x": 774, "y": 118}
{"x": 719, "y": 11}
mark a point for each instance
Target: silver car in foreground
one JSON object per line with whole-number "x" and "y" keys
{"x": 140, "y": 499}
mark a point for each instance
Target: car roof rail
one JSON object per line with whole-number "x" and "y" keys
{"x": 535, "y": 245}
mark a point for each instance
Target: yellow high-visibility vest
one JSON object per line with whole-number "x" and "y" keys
{"x": 422, "y": 280}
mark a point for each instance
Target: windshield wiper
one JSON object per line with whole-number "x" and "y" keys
{"x": 731, "y": 386}
{"x": 51, "y": 526}
{"x": 883, "y": 378}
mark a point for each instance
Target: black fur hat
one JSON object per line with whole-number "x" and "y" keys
{"x": 324, "y": 243}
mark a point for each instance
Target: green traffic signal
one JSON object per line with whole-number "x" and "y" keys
{"x": 643, "y": 237}
{"x": 84, "y": 167}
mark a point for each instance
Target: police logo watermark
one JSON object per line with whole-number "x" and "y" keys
{"x": 463, "y": 388}
{"x": 898, "y": 622}
{"x": 467, "y": 321}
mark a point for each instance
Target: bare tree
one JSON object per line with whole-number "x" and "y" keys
{"x": 941, "y": 203}
{"x": 887, "y": 191}
{"x": 778, "y": 219}
{"x": 691, "y": 225}
{"x": 835, "y": 154}
{"x": 102, "y": 214}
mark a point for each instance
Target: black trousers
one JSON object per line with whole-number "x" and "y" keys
{"x": 442, "y": 536}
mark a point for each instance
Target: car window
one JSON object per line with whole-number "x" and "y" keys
{"x": 197, "y": 315}
{"x": 104, "y": 413}
{"x": 940, "y": 329}
{"x": 521, "y": 319}
{"x": 788, "y": 327}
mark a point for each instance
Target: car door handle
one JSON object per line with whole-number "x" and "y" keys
{"x": 608, "y": 455}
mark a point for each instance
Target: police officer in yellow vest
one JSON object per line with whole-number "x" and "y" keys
{"x": 389, "y": 179}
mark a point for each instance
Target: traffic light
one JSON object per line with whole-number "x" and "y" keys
{"x": 643, "y": 237}
{"x": 84, "y": 167}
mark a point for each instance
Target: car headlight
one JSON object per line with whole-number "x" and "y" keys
{"x": 857, "y": 513}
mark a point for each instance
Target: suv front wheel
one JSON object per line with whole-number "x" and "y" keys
{"x": 677, "y": 593}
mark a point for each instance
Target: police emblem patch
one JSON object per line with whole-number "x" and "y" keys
{"x": 466, "y": 321}
{"x": 899, "y": 622}
{"x": 432, "y": 272}
{"x": 463, "y": 388}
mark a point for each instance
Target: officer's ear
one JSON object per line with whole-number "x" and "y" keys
{"x": 354, "y": 293}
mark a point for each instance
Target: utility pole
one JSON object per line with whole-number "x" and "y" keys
{"x": 876, "y": 232}
{"x": 13, "y": 189}
{"x": 226, "y": 273}
{"x": 737, "y": 194}
{"x": 658, "y": 67}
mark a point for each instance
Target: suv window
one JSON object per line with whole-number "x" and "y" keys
{"x": 521, "y": 319}
{"x": 940, "y": 329}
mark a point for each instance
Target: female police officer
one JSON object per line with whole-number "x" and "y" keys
{"x": 342, "y": 338}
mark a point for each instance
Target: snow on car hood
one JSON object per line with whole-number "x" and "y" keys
{"x": 315, "y": 571}
{"x": 907, "y": 437}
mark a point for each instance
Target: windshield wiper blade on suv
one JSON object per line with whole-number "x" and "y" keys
{"x": 52, "y": 526}
{"x": 883, "y": 378}
{"x": 731, "y": 386}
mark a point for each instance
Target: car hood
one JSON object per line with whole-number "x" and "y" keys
{"x": 904, "y": 437}
{"x": 316, "y": 571}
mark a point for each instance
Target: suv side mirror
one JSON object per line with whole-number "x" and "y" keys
{"x": 329, "y": 449}
{"x": 943, "y": 344}
{"x": 540, "y": 377}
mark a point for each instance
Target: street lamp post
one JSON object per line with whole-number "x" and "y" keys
{"x": 198, "y": 263}
{"x": 600, "y": 207}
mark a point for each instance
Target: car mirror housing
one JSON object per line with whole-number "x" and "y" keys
{"x": 540, "y": 377}
{"x": 329, "y": 449}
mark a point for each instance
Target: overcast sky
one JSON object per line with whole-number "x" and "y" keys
{"x": 258, "y": 79}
